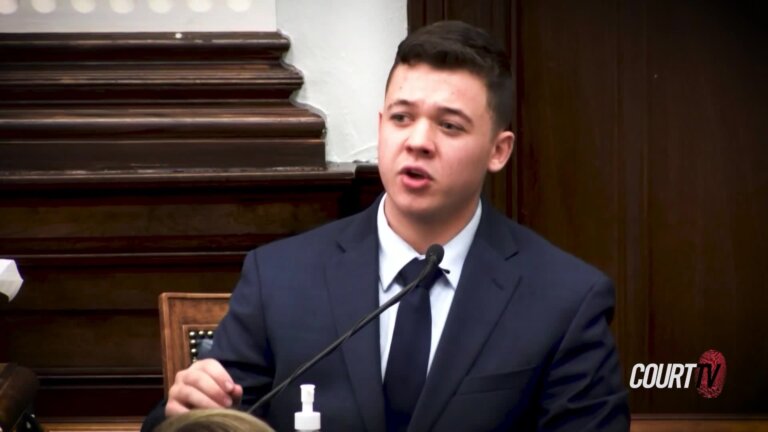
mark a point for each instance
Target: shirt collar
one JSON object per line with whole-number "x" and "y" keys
{"x": 395, "y": 253}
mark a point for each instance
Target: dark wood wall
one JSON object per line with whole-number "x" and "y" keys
{"x": 641, "y": 148}
{"x": 95, "y": 260}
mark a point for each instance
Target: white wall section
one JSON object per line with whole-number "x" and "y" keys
{"x": 344, "y": 48}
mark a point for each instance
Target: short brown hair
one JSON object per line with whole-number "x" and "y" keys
{"x": 455, "y": 45}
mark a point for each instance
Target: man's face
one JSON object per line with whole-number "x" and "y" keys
{"x": 436, "y": 142}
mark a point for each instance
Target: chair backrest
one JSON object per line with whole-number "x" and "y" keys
{"x": 187, "y": 322}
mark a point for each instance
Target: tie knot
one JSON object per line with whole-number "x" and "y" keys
{"x": 411, "y": 271}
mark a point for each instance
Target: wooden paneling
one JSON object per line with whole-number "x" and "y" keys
{"x": 95, "y": 255}
{"x": 53, "y": 342}
{"x": 642, "y": 154}
{"x": 633, "y": 252}
{"x": 108, "y": 154}
{"x": 708, "y": 195}
{"x": 569, "y": 152}
{"x": 84, "y": 283}
{"x": 47, "y": 225}
{"x": 640, "y": 148}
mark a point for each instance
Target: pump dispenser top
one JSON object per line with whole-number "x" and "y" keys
{"x": 307, "y": 420}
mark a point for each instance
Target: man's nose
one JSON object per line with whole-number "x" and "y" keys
{"x": 421, "y": 139}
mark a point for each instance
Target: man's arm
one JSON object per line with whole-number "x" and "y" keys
{"x": 583, "y": 388}
{"x": 240, "y": 341}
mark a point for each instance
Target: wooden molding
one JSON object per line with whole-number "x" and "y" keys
{"x": 698, "y": 423}
{"x": 116, "y": 424}
{"x": 69, "y": 182}
{"x": 95, "y": 103}
{"x": 149, "y": 66}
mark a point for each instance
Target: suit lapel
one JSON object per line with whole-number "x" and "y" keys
{"x": 485, "y": 288}
{"x": 352, "y": 278}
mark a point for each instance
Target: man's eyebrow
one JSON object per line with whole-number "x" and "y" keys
{"x": 442, "y": 109}
{"x": 404, "y": 102}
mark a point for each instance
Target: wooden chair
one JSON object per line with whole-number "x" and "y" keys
{"x": 187, "y": 321}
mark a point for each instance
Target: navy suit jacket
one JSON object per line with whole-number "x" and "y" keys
{"x": 526, "y": 345}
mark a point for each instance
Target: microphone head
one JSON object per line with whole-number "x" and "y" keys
{"x": 435, "y": 253}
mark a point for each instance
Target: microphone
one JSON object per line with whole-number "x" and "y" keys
{"x": 434, "y": 256}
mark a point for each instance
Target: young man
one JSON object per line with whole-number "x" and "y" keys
{"x": 516, "y": 333}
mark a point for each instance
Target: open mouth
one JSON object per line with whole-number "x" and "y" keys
{"x": 415, "y": 173}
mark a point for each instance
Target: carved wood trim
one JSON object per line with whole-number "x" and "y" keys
{"x": 149, "y": 66}
{"x": 95, "y": 103}
{"x": 197, "y": 179}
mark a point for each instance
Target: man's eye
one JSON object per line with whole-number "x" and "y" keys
{"x": 451, "y": 127}
{"x": 398, "y": 118}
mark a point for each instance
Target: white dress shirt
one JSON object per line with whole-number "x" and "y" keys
{"x": 394, "y": 253}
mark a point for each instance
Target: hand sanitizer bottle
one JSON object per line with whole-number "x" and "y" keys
{"x": 307, "y": 420}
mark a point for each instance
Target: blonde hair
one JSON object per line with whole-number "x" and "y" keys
{"x": 213, "y": 420}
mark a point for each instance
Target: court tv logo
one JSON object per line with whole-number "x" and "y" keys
{"x": 707, "y": 376}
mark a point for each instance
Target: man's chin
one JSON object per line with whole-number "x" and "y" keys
{"x": 407, "y": 204}
{"x": 421, "y": 212}
{"x": 428, "y": 209}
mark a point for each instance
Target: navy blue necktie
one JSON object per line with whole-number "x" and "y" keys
{"x": 409, "y": 352}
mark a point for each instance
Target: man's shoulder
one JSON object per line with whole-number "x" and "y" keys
{"x": 539, "y": 257}
{"x": 311, "y": 243}
{"x": 559, "y": 280}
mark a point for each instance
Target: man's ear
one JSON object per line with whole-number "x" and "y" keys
{"x": 502, "y": 150}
